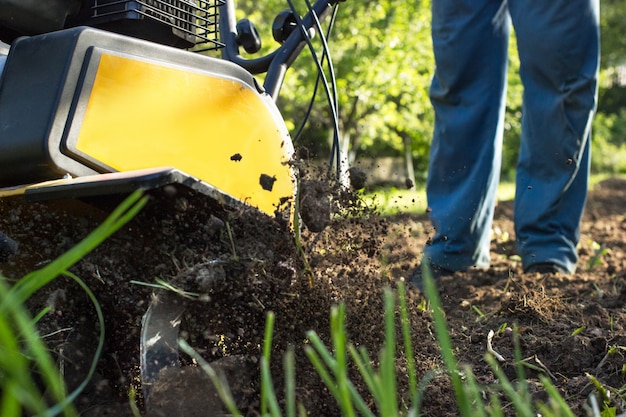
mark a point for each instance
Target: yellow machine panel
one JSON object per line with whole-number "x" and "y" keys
{"x": 143, "y": 114}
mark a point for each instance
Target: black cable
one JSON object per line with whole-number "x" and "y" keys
{"x": 335, "y": 99}
{"x": 307, "y": 114}
{"x": 309, "y": 110}
{"x": 332, "y": 97}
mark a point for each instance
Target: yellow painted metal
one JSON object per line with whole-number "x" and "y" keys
{"x": 143, "y": 114}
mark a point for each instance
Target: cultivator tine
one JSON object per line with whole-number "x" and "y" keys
{"x": 160, "y": 327}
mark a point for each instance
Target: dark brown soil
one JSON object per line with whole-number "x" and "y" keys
{"x": 245, "y": 266}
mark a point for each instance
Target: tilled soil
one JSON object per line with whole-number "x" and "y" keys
{"x": 244, "y": 265}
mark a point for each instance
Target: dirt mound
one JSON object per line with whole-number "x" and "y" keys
{"x": 244, "y": 265}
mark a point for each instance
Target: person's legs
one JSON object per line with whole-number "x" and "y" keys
{"x": 468, "y": 96}
{"x": 558, "y": 42}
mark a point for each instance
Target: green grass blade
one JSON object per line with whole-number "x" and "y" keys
{"x": 11, "y": 357}
{"x": 495, "y": 407}
{"x": 474, "y": 394}
{"x": 523, "y": 407}
{"x": 268, "y": 395}
{"x": 359, "y": 403}
{"x": 519, "y": 367}
{"x": 554, "y": 395}
{"x": 406, "y": 338}
{"x": 318, "y": 363}
{"x": 362, "y": 362}
{"x": 41, "y": 314}
{"x": 11, "y": 406}
{"x": 421, "y": 389}
{"x": 132, "y": 402}
{"x": 96, "y": 357}
{"x": 389, "y": 405}
{"x": 338, "y": 337}
{"x": 297, "y": 233}
{"x": 443, "y": 337}
{"x": 321, "y": 370}
{"x": 18, "y": 369}
{"x": 290, "y": 383}
{"x": 321, "y": 349}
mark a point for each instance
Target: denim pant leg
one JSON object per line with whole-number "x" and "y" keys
{"x": 558, "y": 42}
{"x": 468, "y": 96}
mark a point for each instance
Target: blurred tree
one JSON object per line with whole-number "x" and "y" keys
{"x": 613, "y": 27}
{"x": 609, "y": 128}
{"x": 383, "y": 63}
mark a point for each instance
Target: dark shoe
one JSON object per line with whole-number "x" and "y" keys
{"x": 416, "y": 278}
{"x": 545, "y": 268}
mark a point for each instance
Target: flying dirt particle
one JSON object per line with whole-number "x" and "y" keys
{"x": 170, "y": 191}
{"x": 357, "y": 178}
{"x": 408, "y": 183}
{"x": 267, "y": 182}
{"x": 236, "y": 157}
{"x": 303, "y": 153}
{"x": 315, "y": 204}
{"x": 56, "y": 300}
{"x": 8, "y": 247}
{"x": 214, "y": 225}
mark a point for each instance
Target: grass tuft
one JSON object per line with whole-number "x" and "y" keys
{"x": 22, "y": 349}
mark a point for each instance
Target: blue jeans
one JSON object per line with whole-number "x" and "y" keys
{"x": 558, "y": 43}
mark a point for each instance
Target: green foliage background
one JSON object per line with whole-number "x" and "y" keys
{"x": 383, "y": 61}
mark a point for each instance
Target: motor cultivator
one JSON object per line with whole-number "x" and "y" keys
{"x": 85, "y": 111}
{"x": 97, "y": 100}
